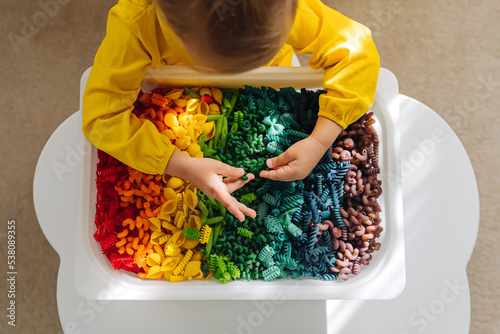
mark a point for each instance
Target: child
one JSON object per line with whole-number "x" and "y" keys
{"x": 225, "y": 36}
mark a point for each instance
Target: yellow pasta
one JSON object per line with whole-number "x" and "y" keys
{"x": 155, "y": 224}
{"x": 196, "y": 256}
{"x": 179, "y": 132}
{"x": 154, "y": 272}
{"x": 192, "y": 269}
{"x": 205, "y": 234}
{"x": 170, "y": 134}
{"x": 192, "y": 106}
{"x": 193, "y": 149}
{"x": 179, "y": 220}
{"x": 160, "y": 252}
{"x": 203, "y": 108}
{"x": 158, "y": 238}
{"x": 183, "y": 143}
{"x": 175, "y": 183}
{"x": 184, "y": 119}
{"x": 209, "y": 130}
{"x": 175, "y": 94}
{"x": 168, "y": 226}
{"x": 170, "y": 263}
{"x": 168, "y": 208}
{"x": 160, "y": 248}
{"x": 153, "y": 259}
{"x": 171, "y": 121}
{"x": 183, "y": 262}
{"x": 195, "y": 221}
{"x": 213, "y": 109}
{"x": 199, "y": 120}
{"x": 177, "y": 278}
{"x": 180, "y": 103}
{"x": 191, "y": 199}
{"x": 217, "y": 95}
{"x": 189, "y": 243}
{"x": 205, "y": 91}
{"x": 171, "y": 250}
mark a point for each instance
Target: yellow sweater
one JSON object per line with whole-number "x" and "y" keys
{"x": 137, "y": 37}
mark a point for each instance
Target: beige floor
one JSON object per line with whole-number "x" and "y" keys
{"x": 440, "y": 50}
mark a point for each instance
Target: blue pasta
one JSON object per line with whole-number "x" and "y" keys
{"x": 319, "y": 183}
{"x": 311, "y": 240}
{"x": 327, "y": 239}
{"x": 319, "y": 250}
{"x": 328, "y": 277}
{"x": 325, "y": 195}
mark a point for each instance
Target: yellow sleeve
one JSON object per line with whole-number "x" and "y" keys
{"x": 112, "y": 88}
{"x": 345, "y": 50}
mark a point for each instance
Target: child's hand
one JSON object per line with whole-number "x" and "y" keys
{"x": 207, "y": 175}
{"x": 296, "y": 162}
{"x": 300, "y": 158}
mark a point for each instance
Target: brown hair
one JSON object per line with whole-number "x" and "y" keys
{"x": 230, "y": 36}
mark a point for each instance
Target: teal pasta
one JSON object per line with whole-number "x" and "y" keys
{"x": 292, "y": 229}
{"x": 273, "y": 225}
{"x": 262, "y": 211}
{"x": 287, "y": 261}
{"x": 303, "y": 226}
{"x": 271, "y": 273}
{"x": 280, "y": 139}
{"x": 275, "y": 148}
{"x": 297, "y": 134}
{"x": 266, "y": 254}
{"x": 271, "y": 200}
{"x": 297, "y": 199}
{"x": 285, "y": 206}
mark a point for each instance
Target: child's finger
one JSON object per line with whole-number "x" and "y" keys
{"x": 280, "y": 160}
{"x": 231, "y": 204}
{"x": 246, "y": 210}
{"x": 234, "y": 184}
{"x": 229, "y": 171}
{"x": 285, "y": 173}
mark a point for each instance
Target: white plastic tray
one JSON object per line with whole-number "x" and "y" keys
{"x": 384, "y": 278}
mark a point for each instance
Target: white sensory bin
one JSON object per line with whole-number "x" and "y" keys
{"x": 384, "y": 278}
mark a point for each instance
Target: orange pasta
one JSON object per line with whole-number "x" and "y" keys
{"x": 120, "y": 243}
{"x": 145, "y": 240}
{"x": 122, "y": 234}
{"x": 146, "y": 193}
{"x": 129, "y": 222}
{"x": 160, "y": 100}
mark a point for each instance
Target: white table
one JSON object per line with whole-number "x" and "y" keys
{"x": 441, "y": 224}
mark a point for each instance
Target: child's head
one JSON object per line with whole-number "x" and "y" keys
{"x": 230, "y": 36}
